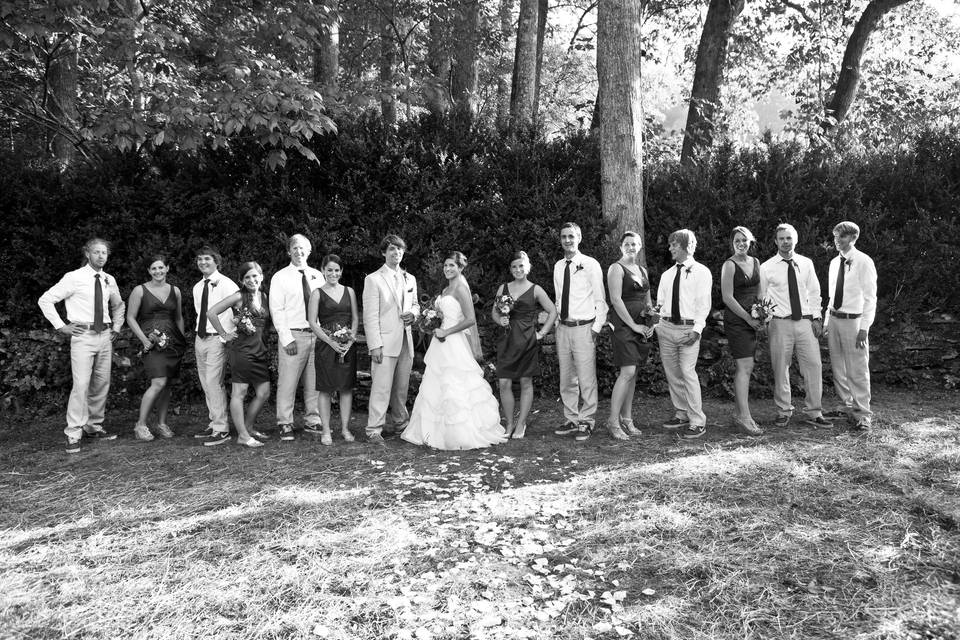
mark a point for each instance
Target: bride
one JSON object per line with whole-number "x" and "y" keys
{"x": 455, "y": 407}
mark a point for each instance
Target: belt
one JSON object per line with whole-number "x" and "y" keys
{"x": 576, "y": 323}
{"x": 844, "y": 316}
{"x": 806, "y": 317}
{"x": 89, "y": 325}
{"x": 308, "y": 329}
{"x": 682, "y": 322}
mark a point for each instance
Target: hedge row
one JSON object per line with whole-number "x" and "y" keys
{"x": 444, "y": 185}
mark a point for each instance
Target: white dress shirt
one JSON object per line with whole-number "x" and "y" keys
{"x": 587, "y": 295}
{"x": 696, "y": 289}
{"x": 775, "y": 287}
{"x": 286, "y": 299}
{"x": 220, "y": 287}
{"x": 859, "y": 286}
{"x": 76, "y": 288}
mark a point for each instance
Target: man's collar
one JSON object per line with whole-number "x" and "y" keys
{"x": 686, "y": 262}
{"x": 849, "y": 254}
{"x": 576, "y": 256}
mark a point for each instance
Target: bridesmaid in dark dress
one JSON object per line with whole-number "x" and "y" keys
{"x": 246, "y": 350}
{"x": 629, "y": 288}
{"x": 154, "y": 314}
{"x": 518, "y": 351}
{"x": 739, "y": 280}
{"x": 333, "y": 307}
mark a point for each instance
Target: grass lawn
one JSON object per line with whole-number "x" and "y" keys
{"x": 801, "y": 533}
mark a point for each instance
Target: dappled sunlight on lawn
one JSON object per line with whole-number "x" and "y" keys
{"x": 808, "y": 535}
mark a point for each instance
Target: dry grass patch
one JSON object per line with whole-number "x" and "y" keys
{"x": 799, "y": 534}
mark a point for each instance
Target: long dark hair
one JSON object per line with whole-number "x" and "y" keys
{"x": 246, "y": 296}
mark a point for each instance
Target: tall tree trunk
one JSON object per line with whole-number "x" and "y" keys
{"x": 525, "y": 67}
{"x": 437, "y": 88}
{"x": 849, "y": 80}
{"x": 707, "y": 76}
{"x": 388, "y": 62}
{"x": 61, "y": 102}
{"x": 503, "y": 78}
{"x": 463, "y": 71}
{"x": 326, "y": 55}
{"x": 541, "y": 34}
{"x": 621, "y": 122}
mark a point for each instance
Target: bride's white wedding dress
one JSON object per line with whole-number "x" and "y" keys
{"x": 455, "y": 408}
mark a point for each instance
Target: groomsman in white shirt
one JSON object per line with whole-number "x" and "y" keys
{"x": 290, "y": 290}
{"x": 851, "y": 310}
{"x": 582, "y": 307}
{"x": 683, "y": 298}
{"x": 789, "y": 281}
{"x": 95, "y": 314}
{"x": 210, "y": 351}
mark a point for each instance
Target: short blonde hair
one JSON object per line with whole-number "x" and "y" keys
{"x": 685, "y": 238}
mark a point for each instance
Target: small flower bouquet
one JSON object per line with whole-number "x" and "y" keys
{"x": 431, "y": 318}
{"x": 341, "y": 335}
{"x": 504, "y": 304}
{"x": 762, "y": 310}
{"x": 158, "y": 339}
{"x": 245, "y": 323}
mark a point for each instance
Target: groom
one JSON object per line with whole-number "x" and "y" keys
{"x": 389, "y": 308}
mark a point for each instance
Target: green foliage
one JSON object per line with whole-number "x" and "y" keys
{"x": 445, "y": 185}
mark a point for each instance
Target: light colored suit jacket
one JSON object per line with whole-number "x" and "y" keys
{"x": 381, "y": 311}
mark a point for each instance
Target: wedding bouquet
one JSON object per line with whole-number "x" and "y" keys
{"x": 431, "y": 318}
{"x": 157, "y": 339}
{"x": 504, "y": 303}
{"x": 245, "y": 323}
{"x": 341, "y": 335}
{"x": 762, "y": 310}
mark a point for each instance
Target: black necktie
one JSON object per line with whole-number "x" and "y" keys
{"x": 204, "y": 301}
{"x": 675, "y": 298}
{"x": 97, "y": 304}
{"x": 838, "y": 291}
{"x": 306, "y": 293}
{"x": 796, "y": 309}
{"x": 565, "y": 295}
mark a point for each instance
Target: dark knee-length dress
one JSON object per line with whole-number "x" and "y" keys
{"x": 248, "y": 356}
{"x": 629, "y": 348}
{"x": 740, "y": 336}
{"x": 518, "y": 352}
{"x": 333, "y": 375}
{"x": 161, "y": 316}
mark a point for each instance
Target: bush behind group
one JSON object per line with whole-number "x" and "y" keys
{"x": 445, "y": 185}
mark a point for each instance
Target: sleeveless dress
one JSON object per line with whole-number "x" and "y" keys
{"x": 631, "y": 348}
{"x": 455, "y": 408}
{"x": 741, "y": 336}
{"x": 518, "y": 352}
{"x": 332, "y": 374}
{"x": 248, "y": 356}
{"x": 161, "y": 316}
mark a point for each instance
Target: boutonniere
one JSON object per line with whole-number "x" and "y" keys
{"x": 404, "y": 274}
{"x": 687, "y": 272}
{"x": 214, "y": 283}
{"x": 313, "y": 277}
{"x": 849, "y": 262}
{"x": 106, "y": 280}
{"x": 579, "y": 268}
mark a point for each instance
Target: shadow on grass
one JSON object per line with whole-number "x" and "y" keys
{"x": 801, "y": 533}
